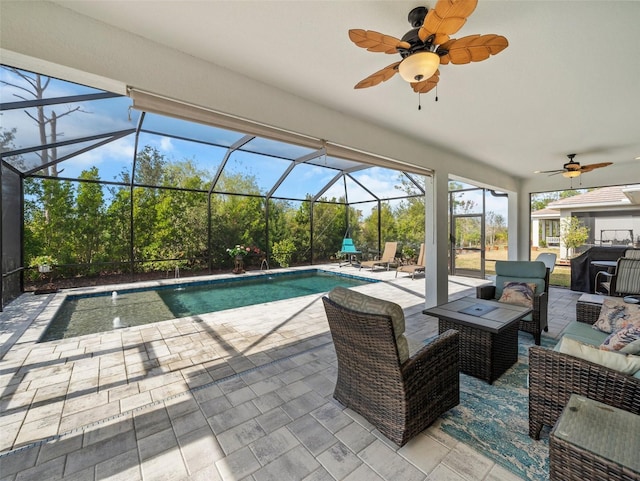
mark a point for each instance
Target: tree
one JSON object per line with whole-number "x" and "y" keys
{"x": 34, "y": 87}
{"x": 150, "y": 165}
{"x": 495, "y": 228}
{"x": 117, "y": 227}
{"x": 181, "y": 216}
{"x": 540, "y": 201}
{"x": 49, "y": 219}
{"x": 328, "y": 225}
{"x": 89, "y": 222}
{"x": 388, "y": 230}
{"x": 573, "y": 234}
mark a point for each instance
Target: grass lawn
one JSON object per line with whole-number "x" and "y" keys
{"x": 561, "y": 275}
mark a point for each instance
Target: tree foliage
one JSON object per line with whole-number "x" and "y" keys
{"x": 89, "y": 224}
{"x": 572, "y": 233}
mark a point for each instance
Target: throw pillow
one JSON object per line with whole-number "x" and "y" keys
{"x": 615, "y": 315}
{"x": 518, "y": 293}
{"x": 625, "y": 363}
{"x": 625, "y": 340}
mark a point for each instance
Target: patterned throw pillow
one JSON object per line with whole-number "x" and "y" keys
{"x": 615, "y": 315}
{"x": 625, "y": 340}
{"x": 518, "y": 293}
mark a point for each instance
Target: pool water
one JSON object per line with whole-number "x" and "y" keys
{"x": 81, "y": 315}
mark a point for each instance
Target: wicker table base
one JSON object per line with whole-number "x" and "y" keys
{"x": 592, "y": 440}
{"x": 483, "y": 354}
{"x": 588, "y": 307}
{"x": 488, "y": 342}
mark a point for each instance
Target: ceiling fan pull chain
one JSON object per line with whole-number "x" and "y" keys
{"x": 419, "y": 106}
{"x": 436, "y": 93}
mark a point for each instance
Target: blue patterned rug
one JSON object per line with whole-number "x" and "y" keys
{"x": 494, "y": 419}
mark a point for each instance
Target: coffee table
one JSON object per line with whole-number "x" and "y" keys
{"x": 592, "y": 440}
{"x": 488, "y": 336}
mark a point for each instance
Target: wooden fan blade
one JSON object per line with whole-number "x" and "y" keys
{"x": 378, "y": 77}
{"x": 590, "y": 167}
{"x": 447, "y": 17}
{"x": 473, "y": 48}
{"x": 556, "y": 171}
{"x": 424, "y": 86}
{"x": 376, "y": 42}
{"x": 440, "y": 38}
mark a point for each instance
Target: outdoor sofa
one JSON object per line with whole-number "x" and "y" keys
{"x": 555, "y": 375}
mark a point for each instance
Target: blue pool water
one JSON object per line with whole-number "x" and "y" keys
{"x": 89, "y": 314}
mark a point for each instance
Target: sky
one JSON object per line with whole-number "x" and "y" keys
{"x": 115, "y": 114}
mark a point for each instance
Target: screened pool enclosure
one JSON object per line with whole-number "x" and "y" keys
{"x": 95, "y": 183}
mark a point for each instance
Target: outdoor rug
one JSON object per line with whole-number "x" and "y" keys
{"x": 494, "y": 419}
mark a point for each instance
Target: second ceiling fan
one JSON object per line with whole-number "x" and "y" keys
{"x": 573, "y": 168}
{"x": 427, "y": 46}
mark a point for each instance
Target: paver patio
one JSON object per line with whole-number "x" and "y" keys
{"x": 238, "y": 394}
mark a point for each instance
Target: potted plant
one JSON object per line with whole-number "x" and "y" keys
{"x": 238, "y": 252}
{"x": 43, "y": 263}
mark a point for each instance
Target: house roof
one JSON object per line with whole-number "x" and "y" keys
{"x": 606, "y": 196}
{"x": 546, "y": 213}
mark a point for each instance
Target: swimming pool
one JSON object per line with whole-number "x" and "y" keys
{"x": 93, "y": 313}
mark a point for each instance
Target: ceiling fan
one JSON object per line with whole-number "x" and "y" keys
{"x": 573, "y": 168}
{"x": 427, "y": 45}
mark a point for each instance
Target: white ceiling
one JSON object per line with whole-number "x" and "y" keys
{"x": 568, "y": 82}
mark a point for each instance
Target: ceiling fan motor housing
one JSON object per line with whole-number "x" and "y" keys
{"x": 417, "y": 45}
{"x": 571, "y": 165}
{"x": 416, "y": 16}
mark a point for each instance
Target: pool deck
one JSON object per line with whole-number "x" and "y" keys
{"x": 238, "y": 394}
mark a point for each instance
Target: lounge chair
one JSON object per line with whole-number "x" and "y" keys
{"x": 388, "y": 257}
{"x": 348, "y": 250}
{"x": 413, "y": 268}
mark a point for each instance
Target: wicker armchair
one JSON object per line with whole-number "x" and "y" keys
{"x": 399, "y": 398}
{"x": 523, "y": 271}
{"x": 554, "y": 376}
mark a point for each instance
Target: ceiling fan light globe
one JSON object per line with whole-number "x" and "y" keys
{"x": 571, "y": 173}
{"x": 419, "y": 66}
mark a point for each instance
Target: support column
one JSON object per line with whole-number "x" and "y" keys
{"x": 519, "y": 243}
{"x": 436, "y": 239}
{"x": 535, "y": 234}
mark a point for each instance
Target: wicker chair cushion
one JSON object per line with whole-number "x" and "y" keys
{"x": 615, "y": 315}
{"x": 625, "y": 340}
{"x": 520, "y": 271}
{"x": 518, "y": 293}
{"x": 624, "y": 363}
{"x": 583, "y": 332}
{"x": 359, "y": 302}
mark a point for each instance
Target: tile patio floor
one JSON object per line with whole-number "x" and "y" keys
{"x": 244, "y": 394}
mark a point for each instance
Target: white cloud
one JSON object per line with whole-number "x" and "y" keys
{"x": 165, "y": 144}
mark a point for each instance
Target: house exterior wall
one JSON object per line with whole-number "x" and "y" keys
{"x": 612, "y": 228}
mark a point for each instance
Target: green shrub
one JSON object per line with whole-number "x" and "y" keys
{"x": 283, "y": 251}
{"x": 408, "y": 252}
